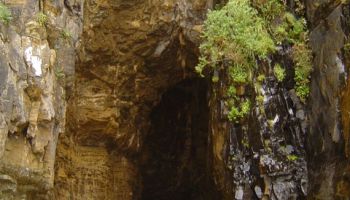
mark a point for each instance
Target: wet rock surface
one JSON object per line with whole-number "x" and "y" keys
{"x": 77, "y": 96}
{"x": 265, "y": 153}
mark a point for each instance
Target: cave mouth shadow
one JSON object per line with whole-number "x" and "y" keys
{"x": 176, "y": 159}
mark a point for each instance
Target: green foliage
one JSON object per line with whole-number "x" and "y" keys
{"x": 295, "y": 28}
{"x": 292, "y": 157}
{"x": 215, "y": 79}
{"x": 294, "y": 32}
{"x": 66, "y": 34}
{"x": 269, "y": 9}
{"x": 271, "y": 123}
{"x": 59, "y": 73}
{"x": 244, "y": 31}
{"x": 260, "y": 99}
{"x": 226, "y": 41}
{"x": 261, "y": 78}
{"x": 303, "y": 68}
{"x": 225, "y": 36}
{"x": 239, "y": 74}
{"x": 289, "y": 29}
{"x": 231, "y": 92}
{"x": 5, "y": 14}
{"x": 245, "y": 142}
{"x": 347, "y": 47}
{"x": 302, "y": 92}
{"x": 203, "y": 62}
{"x": 279, "y": 72}
{"x": 239, "y": 112}
{"x": 41, "y": 18}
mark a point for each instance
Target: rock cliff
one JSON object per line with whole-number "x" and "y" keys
{"x": 99, "y": 100}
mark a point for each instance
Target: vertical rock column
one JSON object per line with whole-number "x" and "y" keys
{"x": 32, "y": 101}
{"x": 327, "y": 161}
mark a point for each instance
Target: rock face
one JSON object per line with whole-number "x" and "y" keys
{"x": 34, "y": 59}
{"x": 328, "y": 139}
{"x": 99, "y": 101}
{"x": 176, "y": 158}
{"x": 130, "y": 53}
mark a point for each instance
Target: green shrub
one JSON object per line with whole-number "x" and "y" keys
{"x": 294, "y": 31}
{"x": 261, "y": 78}
{"x": 287, "y": 27}
{"x": 41, "y": 18}
{"x": 59, "y": 73}
{"x": 239, "y": 74}
{"x": 5, "y": 14}
{"x": 225, "y": 36}
{"x": 66, "y": 34}
{"x": 296, "y": 28}
{"x": 260, "y": 99}
{"x": 347, "y": 47}
{"x": 279, "y": 72}
{"x": 232, "y": 92}
{"x": 270, "y": 9}
{"x": 303, "y": 68}
{"x": 237, "y": 113}
{"x": 226, "y": 43}
{"x": 203, "y": 62}
{"x": 302, "y": 92}
{"x": 244, "y": 31}
{"x": 292, "y": 157}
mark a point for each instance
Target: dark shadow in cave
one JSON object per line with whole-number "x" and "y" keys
{"x": 176, "y": 154}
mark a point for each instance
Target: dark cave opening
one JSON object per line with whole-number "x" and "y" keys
{"x": 176, "y": 153}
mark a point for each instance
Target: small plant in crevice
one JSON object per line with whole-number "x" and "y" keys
{"x": 347, "y": 47}
{"x": 261, "y": 78}
{"x": 66, "y": 34}
{"x": 245, "y": 142}
{"x": 215, "y": 79}
{"x": 242, "y": 33}
{"x": 303, "y": 68}
{"x": 5, "y": 14}
{"x": 42, "y": 18}
{"x": 238, "y": 112}
{"x": 59, "y": 73}
{"x": 260, "y": 99}
{"x": 292, "y": 157}
{"x": 239, "y": 74}
{"x": 279, "y": 72}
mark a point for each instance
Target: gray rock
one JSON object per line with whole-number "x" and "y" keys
{"x": 239, "y": 193}
{"x": 300, "y": 114}
{"x": 258, "y": 191}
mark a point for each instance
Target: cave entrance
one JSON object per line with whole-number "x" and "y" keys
{"x": 176, "y": 155}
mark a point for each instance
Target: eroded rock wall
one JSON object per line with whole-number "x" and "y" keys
{"x": 78, "y": 90}
{"x": 327, "y": 141}
{"x": 260, "y": 151}
{"x": 131, "y": 52}
{"x": 35, "y": 70}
